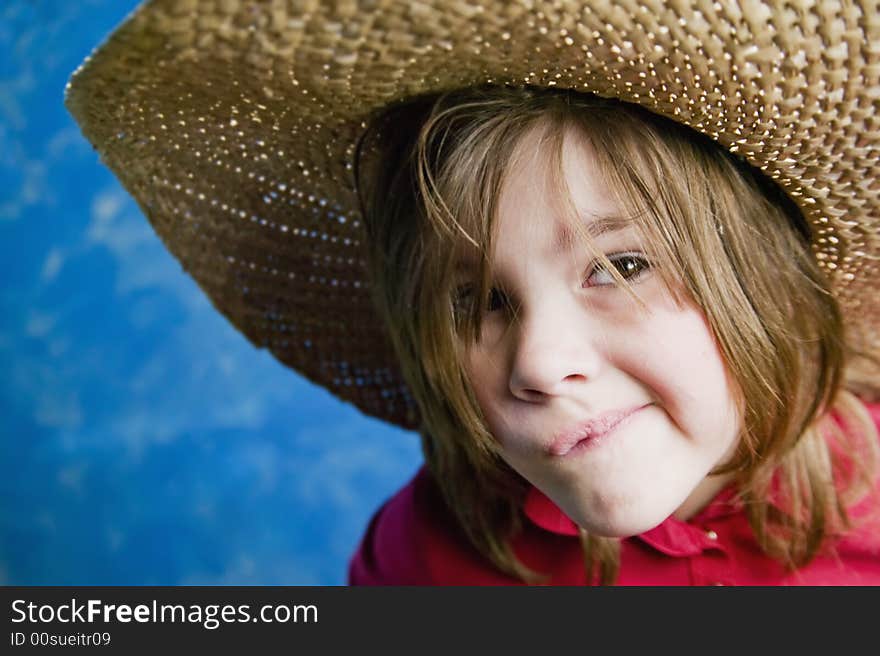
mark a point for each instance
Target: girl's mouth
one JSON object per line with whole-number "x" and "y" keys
{"x": 589, "y": 432}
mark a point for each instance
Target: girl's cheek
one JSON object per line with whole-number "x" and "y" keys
{"x": 677, "y": 359}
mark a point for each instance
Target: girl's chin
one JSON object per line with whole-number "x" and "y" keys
{"x": 622, "y": 522}
{"x": 620, "y": 530}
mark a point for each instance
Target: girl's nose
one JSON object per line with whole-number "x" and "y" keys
{"x": 553, "y": 354}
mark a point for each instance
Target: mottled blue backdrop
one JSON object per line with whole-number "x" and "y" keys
{"x": 144, "y": 440}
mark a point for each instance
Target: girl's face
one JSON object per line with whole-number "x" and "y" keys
{"x": 646, "y": 386}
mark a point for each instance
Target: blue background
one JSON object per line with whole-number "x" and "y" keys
{"x": 144, "y": 440}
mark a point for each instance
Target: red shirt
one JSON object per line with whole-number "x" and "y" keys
{"x": 413, "y": 539}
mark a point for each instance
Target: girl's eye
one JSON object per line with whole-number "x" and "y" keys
{"x": 464, "y": 297}
{"x": 497, "y": 300}
{"x": 629, "y": 265}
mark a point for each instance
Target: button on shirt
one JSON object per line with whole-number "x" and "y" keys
{"x": 414, "y": 540}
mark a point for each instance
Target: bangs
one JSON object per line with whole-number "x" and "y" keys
{"x": 472, "y": 165}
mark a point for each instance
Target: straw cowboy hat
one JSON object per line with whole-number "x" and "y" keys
{"x": 233, "y": 123}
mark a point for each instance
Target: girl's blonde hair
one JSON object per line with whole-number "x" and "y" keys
{"x": 430, "y": 173}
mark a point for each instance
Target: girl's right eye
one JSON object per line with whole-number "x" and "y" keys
{"x": 497, "y": 300}
{"x": 464, "y": 296}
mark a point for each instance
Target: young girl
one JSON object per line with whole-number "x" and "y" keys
{"x": 628, "y": 336}
{"x": 613, "y": 261}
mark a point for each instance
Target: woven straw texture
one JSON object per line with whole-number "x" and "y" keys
{"x": 233, "y": 124}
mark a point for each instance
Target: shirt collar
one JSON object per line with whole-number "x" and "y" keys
{"x": 672, "y": 536}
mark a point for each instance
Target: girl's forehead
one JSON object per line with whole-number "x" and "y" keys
{"x": 564, "y": 172}
{"x": 551, "y": 175}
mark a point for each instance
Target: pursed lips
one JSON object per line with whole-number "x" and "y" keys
{"x": 566, "y": 439}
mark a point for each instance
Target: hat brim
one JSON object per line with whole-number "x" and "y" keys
{"x": 234, "y": 124}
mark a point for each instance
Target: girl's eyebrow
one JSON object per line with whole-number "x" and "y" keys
{"x": 465, "y": 261}
{"x": 596, "y": 226}
{"x": 462, "y": 265}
